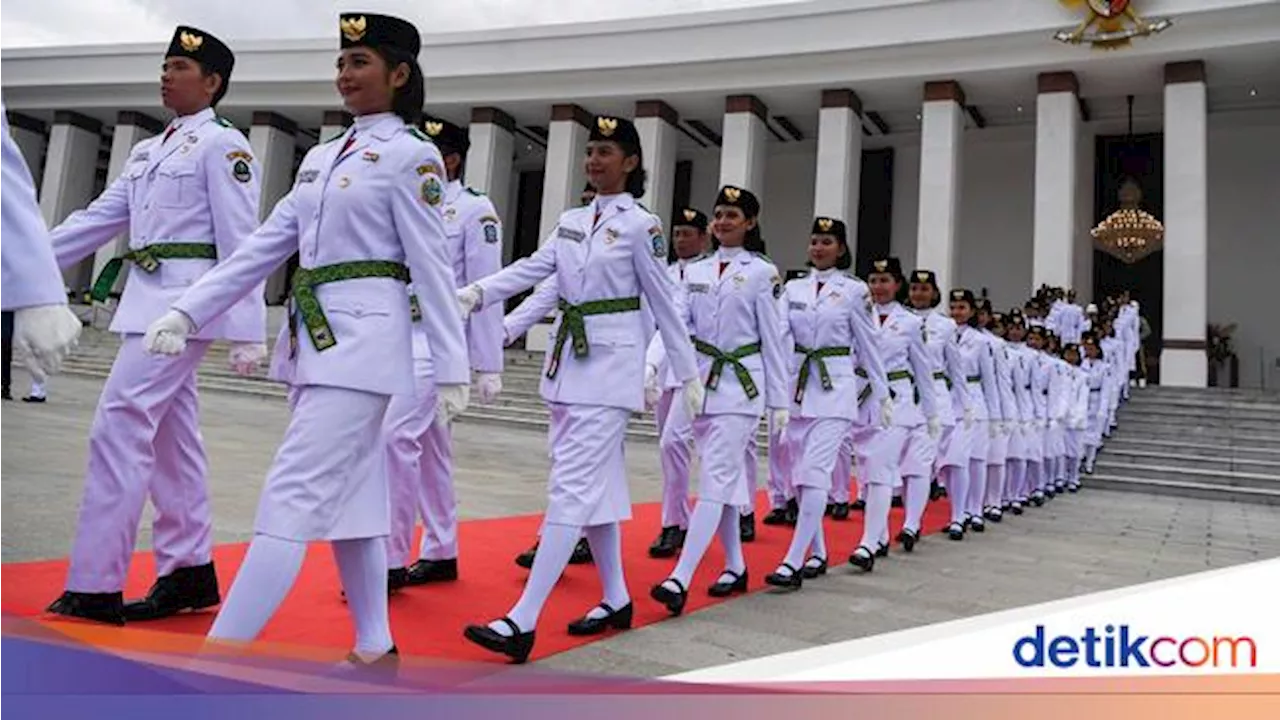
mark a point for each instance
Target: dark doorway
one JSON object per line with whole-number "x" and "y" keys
{"x": 1140, "y": 157}
{"x": 524, "y": 242}
{"x": 875, "y": 208}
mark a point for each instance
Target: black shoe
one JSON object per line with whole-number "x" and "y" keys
{"x": 896, "y": 501}
{"x": 841, "y": 512}
{"x": 859, "y": 505}
{"x": 673, "y": 599}
{"x": 669, "y": 542}
{"x": 581, "y": 553}
{"x": 189, "y": 588}
{"x": 882, "y": 550}
{"x": 955, "y": 531}
{"x": 830, "y": 508}
{"x": 977, "y": 524}
{"x": 809, "y": 572}
{"x": 793, "y": 512}
{"x": 1037, "y": 498}
{"x": 994, "y": 514}
{"x": 747, "y": 527}
{"x": 432, "y": 571}
{"x": 864, "y": 558}
{"x": 1006, "y": 506}
{"x": 725, "y": 589}
{"x": 908, "y": 539}
{"x": 776, "y": 516}
{"x": 793, "y": 581}
{"x": 1073, "y": 488}
{"x": 614, "y": 619}
{"x": 397, "y": 580}
{"x": 516, "y": 646}
{"x": 101, "y": 607}
{"x": 935, "y": 490}
{"x": 525, "y": 559}
{"x": 33, "y": 399}
{"x": 1016, "y": 507}
{"x": 387, "y": 665}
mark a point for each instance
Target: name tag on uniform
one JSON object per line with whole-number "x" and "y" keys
{"x": 797, "y": 305}
{"x": 699, "y": 287}
{"x": 307, "y": 176}
{"x": 141, "y": 157}
{"x": 572, "y": 234}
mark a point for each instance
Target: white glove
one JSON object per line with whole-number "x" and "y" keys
{"x": 781, "y": 418}
{"x": 651, "y": 390}
{"x": 168, "y": 335}
{"x": 934, "y": 427}
{"x": 886, "y": 412}
{"x": 469, "y": 299}
{"x": 245, "y": 357}
{"x": 451, "y": 400}
{"x": 694, "y": 394}
{"x": 490, "y": 385}
{"x": 46, "y": 334}
{"x": 969, "y": 416}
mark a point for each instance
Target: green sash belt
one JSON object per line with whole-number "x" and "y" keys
{"x": 816, "y": 357}
{"x": 573, "y": 325}
{"x": 866, "y": 389}
{"x": 939, "y": 375}
{"x": 897, "y": 375}
{"x": 148, "y": 259}
{"x": 306, "y": 280}
{"x": 720, "y": 359}
{"x": 415, "y": 308}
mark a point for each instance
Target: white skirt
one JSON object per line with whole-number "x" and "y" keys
{"x": 588, "y": 482}
{"x": 814, "y": 446}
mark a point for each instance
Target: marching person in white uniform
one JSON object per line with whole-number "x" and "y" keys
{"x": 825, "y": 325}
{"x": 992, "y": 325}
{"x": 729, "y": 305}
{"x": 188, "y": 199}
{"x": 978, "y": 364}
{"x": 904, "y": 451}
{"x": 1099, "y": 376}
{"x": 44, "y": 327}
{"x": 1039, "y": 461}
{"x": 689, "y": 241}
{"x": 419, "y": 443}
{"x": 1025, "y": 445}
{"x": 604, "y": 257}
{"x": 1077, "y": 423}
{"x": 365, "y": 216}
{"x": 954, "y": 411}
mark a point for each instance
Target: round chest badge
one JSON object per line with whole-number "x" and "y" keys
{"x": 240, "y": 171}
{"x": 432, "y": 190}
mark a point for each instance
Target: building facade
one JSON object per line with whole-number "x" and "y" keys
{"x": 958, "y": 135}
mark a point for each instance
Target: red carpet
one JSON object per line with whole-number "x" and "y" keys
{"x": 428, "y": 621}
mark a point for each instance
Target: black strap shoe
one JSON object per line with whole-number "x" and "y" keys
{"x": 525, "y": 559}
{"x": 516, "y": 646}
{"x": 859, "y": 505}
{"x": 896, "y": 501}
{"x": 747, "y": 527}
{"x": 793, "y": 512}
{"x": 725, "y": 589}
{"x": 673, "y": 599}
{"x": 189, "y": 588}
{"x": 908, "y": 538}
{"x": 793, "y": 581}
{"x": 776, "y": 516}
{"x": 581, "y": 553}
{"x": 882, "y": 550}
{"x": 810, "y": 572}
{"x": 977, "y": 524}
{"x": 955, "y": 531}
{"x": 864, "y": 558}
{"x": 613, "y": 619}
{"x": 432, "y": 571}
{"x": 840, "y": 512}
{"x": 99, "y": 607}
{"x": 668, "y": 543}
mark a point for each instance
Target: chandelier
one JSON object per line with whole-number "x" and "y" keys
{"x": 1130, "y": 233}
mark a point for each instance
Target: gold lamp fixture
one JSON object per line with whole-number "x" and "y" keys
{"x": 1129, "y": 233}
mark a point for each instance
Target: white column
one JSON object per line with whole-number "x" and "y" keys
{"x": 742, "y": 156}
{"x": 273, "y": 138}
{"x": 1057, "y": 138}
{"x": 838, "y": 176}
{"x": 31, "y": 135}
{"x": 70, "y": 174}
{"x": 564, "y": 174}
{"x": 656, "y": 124}
{"x": 489, "y": 162}
{"x": 333, "y": 124}
{"x": 131, "y": 128}
{"x": 941, "y": 142}
{"x": 1183, "y": 361}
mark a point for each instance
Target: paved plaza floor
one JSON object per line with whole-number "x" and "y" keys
{"x": 1091, "y": 542}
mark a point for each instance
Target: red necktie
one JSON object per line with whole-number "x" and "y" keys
{"x": 168, "y": 133}
{"x": 351, "y": 140}
{"x": 820, "y": 284}
{"x": 723, "y": 265}
{"x": 883, "y": 318}
{"x": 682, "y": 272}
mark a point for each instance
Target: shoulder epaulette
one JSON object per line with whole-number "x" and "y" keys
{"x": 224, "y": 122}
{"x": 418, "y": 133}
{"x": 475, "y": 192}
{"x": 762, "y": 256}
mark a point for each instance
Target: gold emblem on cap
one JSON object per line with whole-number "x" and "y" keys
{"x": 353, "y": 28}
{"x": 922, "y": 277}
{"x": 882, "y": 266}
{"x": 189, "y": 41}
{"x": 433, "y": 128}
{"x": 690, "y": 214}
{"x": 607, "y": 125}
{"x": 824, "y": 224}
{"x": 732, "y": 193}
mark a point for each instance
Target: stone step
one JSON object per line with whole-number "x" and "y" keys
{"x": 1208, "y": 402}
{"x": 1224, "y": 450}
{"x": 1171, "y": 470}
{"x": 1259, "y": 415}
{"x": 1180, "y": 460}
{"x": 1181, "y": 488}
{"x": 1218, "y": 433}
